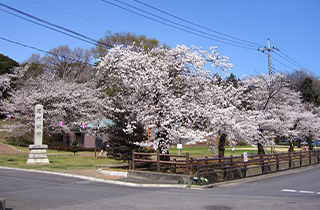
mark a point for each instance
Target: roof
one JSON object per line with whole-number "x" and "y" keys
{"x": 102, "y": 124}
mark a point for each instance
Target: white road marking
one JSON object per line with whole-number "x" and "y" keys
{"x": 308, "y": 192}
{"x": 300, "y": 191}
{"x": 288, "y": 190}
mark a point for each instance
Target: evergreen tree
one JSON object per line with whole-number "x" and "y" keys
{"x": 232, "y": 79}
{"x": 308, "y": 94}
{"x": 122, "y": 141}
{"x": 6, "y": 64}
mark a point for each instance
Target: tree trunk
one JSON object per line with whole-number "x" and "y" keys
{"x": 260, "y": 149}
{"x": 163, "y": 149}
{"x": 291, "y": 144}
{"x": 222, "y": 141}
{"x": 299, "y": 143}
{"x": 309, "y": 139}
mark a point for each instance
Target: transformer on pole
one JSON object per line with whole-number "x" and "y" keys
{"x": 269, "y": 49}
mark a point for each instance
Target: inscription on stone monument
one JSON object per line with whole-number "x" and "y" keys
{"x": 38, "y": 125}
{"x": 38, "y": 152}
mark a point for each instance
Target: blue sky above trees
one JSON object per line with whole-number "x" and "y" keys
{"x": 291, "y": 25}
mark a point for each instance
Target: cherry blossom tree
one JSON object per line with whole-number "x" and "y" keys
{"x": 168, "y": 91}
{"x": 274, "y": 110}
{"x": 5, "y": 84}
{"x": 66, "y": 104}
{"x": 304, "y": 123}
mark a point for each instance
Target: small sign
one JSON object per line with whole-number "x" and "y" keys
{"x": 179, "y": 146}
{"x": 245, "y": 156}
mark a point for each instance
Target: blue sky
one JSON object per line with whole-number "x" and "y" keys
{"x": 293, "y": 26}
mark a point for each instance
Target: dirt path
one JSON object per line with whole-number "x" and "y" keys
{"x": 5, "y": 149}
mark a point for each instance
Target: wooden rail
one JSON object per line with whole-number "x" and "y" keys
{"x": 221, "y": 169}
{"x": 159, "y": 160}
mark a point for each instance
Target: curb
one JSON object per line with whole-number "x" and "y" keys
{"x": 122, "y": 183}
{"x": 113, "y": 173}
{"x": 254, "y": 178}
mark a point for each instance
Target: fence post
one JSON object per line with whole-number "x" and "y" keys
{"x": 158, "y": 161}
{"x": 187, "y": 163}
{"x": 277, "y": 161}
{"x": 300, "y": 159}
{"x": 224, "y": 170}
{"x": 191, "y": 165}
{"x": 132, "y": 161}
{"x": 289, "y": 160}
{"x": 310, "y": 157}
{"x": 198, "y": 171}
{"x": 262, "y": 164}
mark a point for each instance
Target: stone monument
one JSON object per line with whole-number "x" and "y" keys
{"x": 38, "y": 151}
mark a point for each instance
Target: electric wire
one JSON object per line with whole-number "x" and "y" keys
{"x": 295, "y": 61}
{"x": 195, "y": 24}
{"x": 282, "y": 63}
{"x": 44, "y": 51}
{"x": 89, "y": 40}
{"x": 289, "y": 60}
{"x": 75, "y": 15}
{"x": 183, "y": 29}
{"x": 60, "y": 29}
{"x": 47, "y": 27}
{"x": 220, "y": 19}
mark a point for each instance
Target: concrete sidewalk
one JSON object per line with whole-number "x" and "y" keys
{"x": 124, "y": 181}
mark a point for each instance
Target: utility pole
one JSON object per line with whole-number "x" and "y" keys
{"x": 269, "y": 49}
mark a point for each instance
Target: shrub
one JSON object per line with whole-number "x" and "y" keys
{"x": 74, "y": 147}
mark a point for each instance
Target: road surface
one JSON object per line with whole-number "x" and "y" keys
{"x": 30, "y": 190}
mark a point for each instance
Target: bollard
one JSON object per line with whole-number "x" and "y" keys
{"x": 3, "y": 203}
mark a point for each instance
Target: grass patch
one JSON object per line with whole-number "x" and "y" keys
{"x": 3, "y": 134}
{"x": 57, "y": 162}
{"x": 201, "y": 152}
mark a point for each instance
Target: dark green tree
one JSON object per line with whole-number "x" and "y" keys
{"x": 6, "y": 67}
{"x": 74, "y": 147}
{"x": 232, "y": 79}
{"x": 6, "y": 64}
{"x": 112, "y": 39}
{"x": 121, "y": 143}
{"x": 308, "y": 94}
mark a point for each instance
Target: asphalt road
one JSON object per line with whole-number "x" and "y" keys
{"x": 29, "y": 190}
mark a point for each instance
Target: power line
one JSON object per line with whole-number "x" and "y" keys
{"x": 47, "y": 27}
{"x": 289, "y": 58}
{"x": 283, "y": 64}
{"x": 46, "y": 22}
{"x": 44, "y": 51}
{"x": 195, "y": 24}
{"x": 210, "y": 14}
{"x": 75, "y": 15}
{"x": 229, "y": 42}
{"x": 87, "y": 39}
{"x": 52, "y": 26}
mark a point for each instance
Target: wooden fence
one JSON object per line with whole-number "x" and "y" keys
{"x": 161, "y": 162}
{"x": 210, "y": 170}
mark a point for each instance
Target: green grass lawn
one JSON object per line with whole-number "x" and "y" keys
{"x": 200, "y": 152}
{"x": 60, "y": 161}
{"x": 57, "y": 162}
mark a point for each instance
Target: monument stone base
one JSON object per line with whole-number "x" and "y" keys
{"x": 38, "y": 154}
